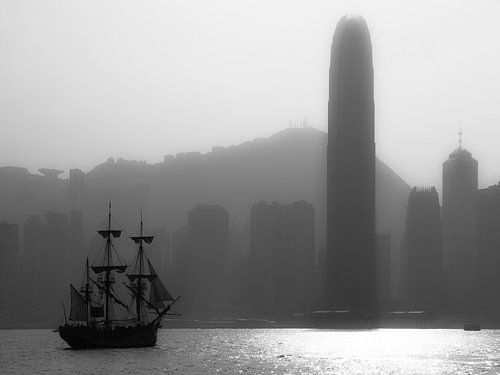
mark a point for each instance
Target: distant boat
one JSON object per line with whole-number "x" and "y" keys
{"x": 99, "y": 316}
{"x": 472, "y": 327}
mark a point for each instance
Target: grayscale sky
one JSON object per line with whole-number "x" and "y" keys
{"x": 84, "y": 80}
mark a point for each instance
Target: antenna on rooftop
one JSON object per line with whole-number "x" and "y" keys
{"x": 460, "y": 137}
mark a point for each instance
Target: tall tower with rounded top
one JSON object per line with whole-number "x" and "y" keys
{"x": 460, "y": 224}
{"x": 351, "y": 170}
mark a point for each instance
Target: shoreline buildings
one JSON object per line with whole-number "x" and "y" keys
{"x": 351, "y": 171}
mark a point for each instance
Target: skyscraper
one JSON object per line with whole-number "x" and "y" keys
{"x": 46, "y": 273}
{"x": 422, "y": 259}
{"x": 9, "y": 274}
{"x": 460, "y": 224}
{"x": 383, "y": 269}
{"x": 282, "y": 247}
{"x": 77, "y": 251}
{"x": 180, "y": 273}
{"x": 488, "y": 249}
{"x": 208, "y": 227}
{"x": 351, "y": 170}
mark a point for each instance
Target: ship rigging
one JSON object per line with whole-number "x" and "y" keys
{"x": 93, "y": 319}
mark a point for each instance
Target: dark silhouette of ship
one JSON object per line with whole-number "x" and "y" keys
{"x": 99, "y": 317}
{"x": 472, "y": 326}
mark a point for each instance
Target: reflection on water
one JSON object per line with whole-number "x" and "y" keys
{"x": 255, "y": 351}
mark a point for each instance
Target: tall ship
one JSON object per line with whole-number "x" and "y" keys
{"x": 118, "y": 305}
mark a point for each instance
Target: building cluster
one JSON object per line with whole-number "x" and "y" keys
{"x": 274, "y": 278}
{"x": 40, "y": 258}
{"x": 450, "y": 253}
{"x": 218, "y": 272}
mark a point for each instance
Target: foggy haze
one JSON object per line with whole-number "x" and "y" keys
{"x": 301, "y": 170}
{"x": 82, "y": 81}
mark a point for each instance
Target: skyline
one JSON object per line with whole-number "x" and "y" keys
{"x": 267, "y": 65}
{"x": 250, "y": 186}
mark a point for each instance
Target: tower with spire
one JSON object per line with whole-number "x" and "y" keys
{"x": 460, "y": 180}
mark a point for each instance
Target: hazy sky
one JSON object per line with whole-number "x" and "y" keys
{"x": 84, "y": 80}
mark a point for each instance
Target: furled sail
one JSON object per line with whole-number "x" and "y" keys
{"x": 138, "y": 239}
{"x": 78, "y": 310}
{"x": 110, "y": 232}
{"x": 158, "y": 291}
{"x": 100, "y": 269}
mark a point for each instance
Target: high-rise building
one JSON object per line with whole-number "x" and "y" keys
{"x": 300, "y": 240}
{"x": 263, "y": 218}
{"x": 9, "y": 276}
{"x": 47, "y": 267}
{"x": 208, "y": 228}
{"x": 351, "y": 170}
{"x": 460, "y": 225}
{"x": 383, "y": 269}
{"x": 77, "y": 252}
{"x": 282, "y": 249}
{"x": 422, "y": 260}
{"x": 33, "y": 232}
{"x": 241, "y": 279}
{"x": 179, "y": 275}
{"x": 488, "y": 236}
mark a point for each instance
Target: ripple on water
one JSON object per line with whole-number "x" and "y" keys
{"x": 251, "y": 351}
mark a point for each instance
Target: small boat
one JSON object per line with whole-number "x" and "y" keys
{"x": 100, "y": 316}
{"x": 471, "y": 326}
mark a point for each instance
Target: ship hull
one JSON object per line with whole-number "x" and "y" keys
{"x": 82, "y": 337}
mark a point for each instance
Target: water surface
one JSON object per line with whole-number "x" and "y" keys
{"x": 262, "y": 351}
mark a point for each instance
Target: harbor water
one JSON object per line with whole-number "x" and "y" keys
{"x": 262, "y": 351}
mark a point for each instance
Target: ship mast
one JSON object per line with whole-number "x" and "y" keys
{"x": 140, "y": 275}
{"x": 87, "y": 291}
{"x": 107, "y": 283}
{"x": 136, "y": 277}
{"x": 158, "y": 292}
{"x": 108, "y": 267}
